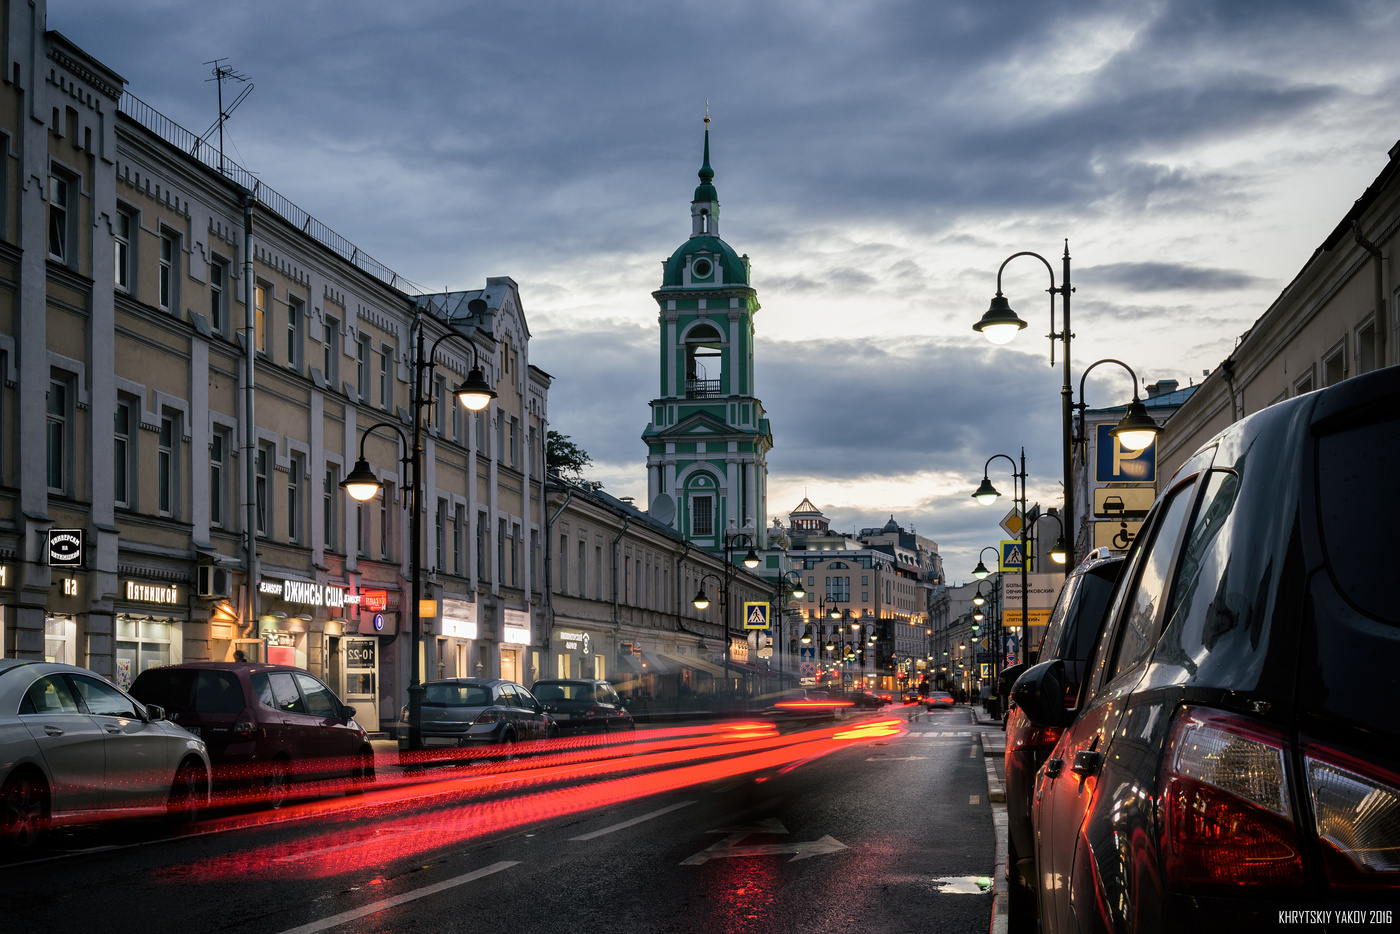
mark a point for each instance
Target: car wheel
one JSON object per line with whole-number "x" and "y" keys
{"x": 24, "y": 811}
{"x": 189, "y": 792}
{"x": 1021, "y": 906}
{"x": 363, "y": 773}
{"x": 275, "y": 782}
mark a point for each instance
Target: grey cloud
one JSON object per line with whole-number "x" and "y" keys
{"x": 1167, "y": 277}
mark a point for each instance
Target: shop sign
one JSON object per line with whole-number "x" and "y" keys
{"x": 517, "y": 627}
{"x": 359, "y": 653}
{"x": 374, "y": 601}
{"x": 4, "y": 575}
{"x": 282, "y": 639}
{"x": 577, "y": 641}
{"x": 459, "y": 618}
{"x": 738, "y": 649}
{"x": 67, "y": 548}
{"x": 305, "y": 592}
{"x": 152, "y": 593}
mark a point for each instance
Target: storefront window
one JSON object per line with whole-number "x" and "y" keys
{"x": 60, "y": 639}
{"x": 142, "y": 643}
{"x": 510, "y": 664}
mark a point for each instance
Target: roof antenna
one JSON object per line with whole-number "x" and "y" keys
{"x": 223, "y": 72}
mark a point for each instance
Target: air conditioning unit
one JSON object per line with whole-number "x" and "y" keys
{"x": 214, "y": 582}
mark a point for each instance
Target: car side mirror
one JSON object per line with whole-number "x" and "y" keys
{"x": 1040, "y": 693}
{"x": 347, "y": 712}
{"x": 154, "y": 713}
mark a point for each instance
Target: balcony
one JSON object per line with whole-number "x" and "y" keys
{"x": 703, "y": 389}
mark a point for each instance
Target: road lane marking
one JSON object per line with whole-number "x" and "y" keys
{"x": 633, "y": 822}
{"x": 369, "y": 841}
{"x": 972, "y": 752}
{"x": 729, "y": 847}
{"x": 974, "y": 799}
{"x": 895, "y": 758}
{"x": 387, "y": 903}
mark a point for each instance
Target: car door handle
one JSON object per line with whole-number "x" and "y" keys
{"x": 1053, "y": 766}
{"x": 1086, "y": 762}
{"x": 53, "y": 731}
{"x": 115, "y": 731}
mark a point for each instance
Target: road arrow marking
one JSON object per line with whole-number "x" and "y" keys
{"x": 728, "y": 847}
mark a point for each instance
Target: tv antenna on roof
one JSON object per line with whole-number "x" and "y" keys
{"x": 224, "y": 72}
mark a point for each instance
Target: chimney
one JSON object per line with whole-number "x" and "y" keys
{"x": 1161, "y": 388}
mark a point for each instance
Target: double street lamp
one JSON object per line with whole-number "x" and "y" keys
{"x": 361, "y": 483}
{"x": 788, "y": 585}
{"x": 702, "y": 600}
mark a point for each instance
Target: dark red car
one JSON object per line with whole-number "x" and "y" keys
{"x": 265, "y": 725}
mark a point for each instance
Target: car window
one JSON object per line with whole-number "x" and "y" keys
{"x": 218, "y": 692}
{"x": 444, "y": 694}
{"x": 1137, "y": 626}
{"x": 263, "y": 688}
{"x": 1354, "y": 466}
{"x": 170, "y": 688}
{"x": 49, "y": 696}
{"x": 526, "y": 699}
{"x": 505, "y": 695}
{"x": 103, "y": 700}
{"x": 284, "y": 692}
{"x": 1203, "y": 561}
{"x": 320, "y": 702}
{"x": 608, "y": 696}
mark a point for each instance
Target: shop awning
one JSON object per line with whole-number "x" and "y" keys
{"x": 632, "y": 664}
{"x": 699, "y": 664}
{"x": 654, "y": 664}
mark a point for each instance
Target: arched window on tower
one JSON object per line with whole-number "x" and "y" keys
{"x": 704, "y": 363}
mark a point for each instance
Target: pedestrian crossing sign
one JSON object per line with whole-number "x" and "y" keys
{"x": 1013, "y": 558}
{"x": 756, "y": 615}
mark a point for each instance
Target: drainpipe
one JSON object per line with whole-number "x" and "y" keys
{"x": 617, "y": 620}
{"x": 680, "y": 597}
{"x": 1381, "y": 316}
{"x": 1227, "y": 372}
{"x": 250, "y": 435}
{"x": 548, "y": 574}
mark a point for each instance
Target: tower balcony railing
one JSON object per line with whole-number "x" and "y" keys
{"x": 703, "y": 389}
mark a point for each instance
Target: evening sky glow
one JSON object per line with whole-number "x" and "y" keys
{"x": 877, "y": 161}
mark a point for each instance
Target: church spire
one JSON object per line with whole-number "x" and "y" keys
{"x": 704, "y": 208}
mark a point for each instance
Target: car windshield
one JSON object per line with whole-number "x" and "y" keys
{"x": 456, "y": 695}
{"x": 547, "y": 692}
{"x": 186, "y": 690}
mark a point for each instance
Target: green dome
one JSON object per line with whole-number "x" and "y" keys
{"x": 723, "y": 253}
{"x": 705, "y": 192}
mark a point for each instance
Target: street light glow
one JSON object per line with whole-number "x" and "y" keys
{"x": 986, "y": 493}
{"x": 361, "y": 483}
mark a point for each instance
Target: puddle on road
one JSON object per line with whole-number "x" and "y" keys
{"x": 963, "y": 885}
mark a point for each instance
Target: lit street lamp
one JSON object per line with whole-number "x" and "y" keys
{"x": 986, "y": 495}
{"x": 361, "y": 483}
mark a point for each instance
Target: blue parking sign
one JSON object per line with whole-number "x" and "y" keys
{"x": 1114, "y": 463}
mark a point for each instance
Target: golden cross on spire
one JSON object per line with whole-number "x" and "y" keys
{"x": 707, "y": 112}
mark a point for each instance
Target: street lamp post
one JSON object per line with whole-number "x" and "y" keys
{"x": 1135, "y": 430}
{"x": 986, "y": 495}
{"x": 1000, "y": 324}
{"x": 361, "y": 483}
{"x": 731, "y": 538}
{"x": 786, "y": 588}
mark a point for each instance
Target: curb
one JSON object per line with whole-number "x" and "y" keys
{"x": 996, "y": 795}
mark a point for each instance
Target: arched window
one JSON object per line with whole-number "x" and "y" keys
{"x": 702, "y": 355}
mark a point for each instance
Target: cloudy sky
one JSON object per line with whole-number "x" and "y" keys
{"x": 877, "y": 160}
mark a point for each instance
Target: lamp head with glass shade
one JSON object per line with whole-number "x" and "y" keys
{"x": 979, "y": 597}
{"x": 806, "y": 638}
{"x": 1057, "y": 553}
{"x": 798, "y": 592}
{"x": 980, "y": 572}
{"x": 475, "y": 393}
{"x": 1000, "y": 324}
{"x": 1136, "y": 429}
{"x": 361, "y": 483}
{"x": 986, "y": 493}
{"x": 702, "y": 600}
{"x": 751, "y": 559}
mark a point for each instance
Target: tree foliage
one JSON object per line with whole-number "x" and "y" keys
{"x": 564, "y": 456}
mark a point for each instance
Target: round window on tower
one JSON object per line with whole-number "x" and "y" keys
{"x": 701, "y": 269}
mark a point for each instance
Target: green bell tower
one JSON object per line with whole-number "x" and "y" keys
{"x": 708, "y": 440}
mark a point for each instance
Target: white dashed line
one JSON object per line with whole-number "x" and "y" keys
{"x": 633, "y": 822}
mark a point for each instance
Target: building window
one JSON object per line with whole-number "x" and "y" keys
{"x": 582, "y": 580}
{"x": 218, "y": 297}
{"x": 458, "y": 541}
{"x": 361, "y": 530}
{"x": 386, "y": 384}
{"x": 296, "y": 475}
{"x": 167, "y": 464}
{"x": 702, "y": 524}
{"x": 218, "y": 478}
{"x": 500, "y": 452}
{"x": 838, "y": 589}
{"x": 515, "y": 443}
{"x": 501, "y": 549}
{"x": 1304, "y": 383}
{"x": 441, "y": 529}
{"x": 141, "y": 644}
{"x": 169, "y": 269}
{"x": 597, "y": 572}
{"x": 330, "y": 509}
{"x": 331, "y": 362}
{"x": 482, "y": 547}
{"x": 480, "y": 419}
{"x": 1334, "y": 365}
{"x": 59, "y": 435}
{"x": 123, "y": 446}
{"x": 60, "y": 210}
{"x": 440, "y": 405}
{"x": 386, "y": 541}
{"x": 516, "y": 542}
{"x": 362, "y": 369}
{"x": 122, "y": 251}
{"x": 260, "y": 317}
{"x": 296, "y": 314}
{"x": 1366, "y": 347}
{"x": 564, "y": 564}
{"x": 261, "y": 469}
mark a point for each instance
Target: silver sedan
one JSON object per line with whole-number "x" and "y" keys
{"x": 74, "y": 748}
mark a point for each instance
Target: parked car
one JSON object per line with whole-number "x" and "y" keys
{"x": 1232, "y": 754}
{"x": 1073, "y": 628}
{"x": 465, "y": 712}
{"x": 937, "y": 700}
{"x": 867, "y": 700}
{"x": 266, "y": 726}
{"x": 74, "y": 747}
{"x": 583, "y": 706}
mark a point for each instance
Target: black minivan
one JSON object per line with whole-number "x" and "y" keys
{"x": 1234, "y": 754}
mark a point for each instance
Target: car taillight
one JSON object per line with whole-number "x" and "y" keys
{"x": 1035, "y": 737}
{"x": 1226, "y": 819}
{"x": 488, "y": 716}
{"x": 244, "y": 725}
{"x": 1356, "y": 807}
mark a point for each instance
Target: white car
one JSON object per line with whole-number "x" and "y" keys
{"x": 75, "y": 748}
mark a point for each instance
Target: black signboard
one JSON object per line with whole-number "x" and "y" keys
{"x": 67, "y": 548}
{"x": 359, "y": 653}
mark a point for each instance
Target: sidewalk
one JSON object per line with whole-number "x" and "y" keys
{"x": 994, "y": 758}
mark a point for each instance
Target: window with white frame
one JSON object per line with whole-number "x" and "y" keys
{"x": 59, "y": 439}
{"x": 62, "y": 207}
{"x": 702, "y": 516}
{"x": 386, "y": 528}
{"x": 143, "y": 643}
{"x": 169, "y": 277}
{"x": 362, "y": 352}
{"x": 386, "y": 380}
{"x": 362, "y": 530}
{"x": 218, "y": 478}
{"x": 262, "y": 472}
{"x": 218, "y": 296}
{"x": 515, "y": 543}
{"x": 482, "y": 548}
{"x": 564, "y": 564}
{"x": 261, "y": 319}
{"x": 330, "y": 509}
{"x": 168, "y": 464}
{"x": 1305, "y": 383}
{"x": 296, "y": 317}
{"x": 458, "y": 540}
{"x": 515, "y": 442}
{"x": 296, "y": 504}
{"x": 124, "y": 452}
{"x": 501, "y": 538}
{"x": 440, "y": 527}
{"x": 125, "y": 227}
{"x": 1365, "y": 355}
{"x": 1334, "y": 364}
{"x": 331, "y": 358}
